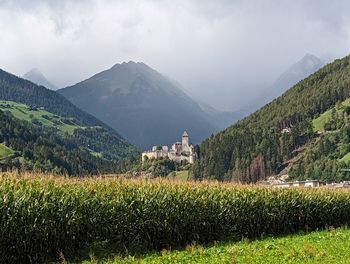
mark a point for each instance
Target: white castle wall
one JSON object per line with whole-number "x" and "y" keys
{"x": 180, "y": 151}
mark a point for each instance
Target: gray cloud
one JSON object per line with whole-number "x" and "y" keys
{"x": 221, "y": 51}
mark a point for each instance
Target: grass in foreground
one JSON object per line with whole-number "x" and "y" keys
{"x": 42, "y": 215}
{"x": 330, "y": 246}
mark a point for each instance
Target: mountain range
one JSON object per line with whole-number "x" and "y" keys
{"x": 146, "y": 107}
{"x": 35, "y": 76}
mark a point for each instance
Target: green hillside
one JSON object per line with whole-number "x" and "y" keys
{"x": 13, "y": 88}
{"x": 270, "y": 139}
{"x": 39, "y": 116}
{"x": 329, "y": 152}
{"x": 49, "y": 133}
{"x": 320, "y": 122}
{"x": 5, "y": 151}
{"x": 28, "y": 146}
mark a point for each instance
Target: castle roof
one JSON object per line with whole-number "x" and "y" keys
{"x": 185, "y": 134}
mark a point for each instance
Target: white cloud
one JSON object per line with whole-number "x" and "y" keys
{"x": 221, "y": 51}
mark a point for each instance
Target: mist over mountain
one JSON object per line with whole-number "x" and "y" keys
{"x": 297, "y": 72}
{"x": 146, "y": 107}
{"x": 35, "y": 76}
{"x": 221, "y": 119}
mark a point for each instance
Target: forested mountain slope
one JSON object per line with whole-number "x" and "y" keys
{"x": 329, "y": 153}
{"x": 13, "y": 88}
{"x": 263, "y": 143}
{"x": 26, "y": 146}
{"x": 52, "y": 119}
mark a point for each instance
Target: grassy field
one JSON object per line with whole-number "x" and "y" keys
{"x": 331, "y": 246}
{"x": 346, "y": 158}
{"x": 179, "y": 175}
{"x": 319, "y": 122}
{"x": 23, "y": 112}
{"x": 5, "y": 151}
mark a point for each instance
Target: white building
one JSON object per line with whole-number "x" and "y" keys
{"x": 307, "y": 183}
{"x": 180, "y": 151}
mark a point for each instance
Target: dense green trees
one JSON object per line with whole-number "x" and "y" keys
{"x": 325, "y": 158}
{"x": 43, "y": 149}
{"x": 100, "y": 140}
{"x": 264, "y": 142}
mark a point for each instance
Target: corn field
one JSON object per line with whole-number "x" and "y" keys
{"x": 43, "y": 215}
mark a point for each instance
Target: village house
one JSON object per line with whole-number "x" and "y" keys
{"x": 307, "y": 183}
{"x": 180, "y": 151}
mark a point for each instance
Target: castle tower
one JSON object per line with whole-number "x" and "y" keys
{"x": 185, "y": 141}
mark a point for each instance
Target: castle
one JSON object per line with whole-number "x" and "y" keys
{"x": 179, "y": 152}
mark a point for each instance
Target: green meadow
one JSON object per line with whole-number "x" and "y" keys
{"x": 329, "y": 246}
{"x": 39, "y": 116}
{"x": 5, "y": 151}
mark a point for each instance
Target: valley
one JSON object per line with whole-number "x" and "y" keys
{"x": 211, "y": 201}
{"x": 174, "y": 132}
{"x": 292, "y": 135}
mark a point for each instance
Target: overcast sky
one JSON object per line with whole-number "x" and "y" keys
{"x": 220, "y": 51}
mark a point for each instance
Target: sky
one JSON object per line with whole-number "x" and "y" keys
{"x": 223, "y": 52}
